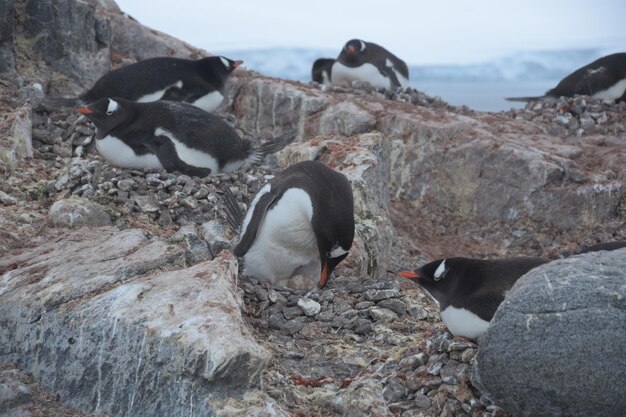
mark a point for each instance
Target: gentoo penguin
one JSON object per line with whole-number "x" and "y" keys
{"x": 321, "y": 71}
{"x": 171, "y": 135}
{"x": 366, "y": 61}
{"x": 604, "y": 78}
{"x": 198, "y": 82}
{"x": 469, "y": 291}
{"x": 301, "y": 222}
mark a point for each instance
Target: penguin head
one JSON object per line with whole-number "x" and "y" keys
{"x": 435, "y": 276}
{"x": 353, "y": 52}
{"x": 106, "y": 113}
{"x": 229, "y": 65}
{"x": 330, "y": 257}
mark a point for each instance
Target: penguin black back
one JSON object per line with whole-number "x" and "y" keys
{"x": 604, "y": 78}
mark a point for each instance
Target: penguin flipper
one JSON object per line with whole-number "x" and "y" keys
{"x": 164, "y": 149}
{"x": 270, "y": 147}
{"x": 391, "y": 74}
{"x": 252, "y": 228}
{"x": 234, "y": 215}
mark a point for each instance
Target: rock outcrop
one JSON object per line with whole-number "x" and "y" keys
{"x": 557, "y": 345}
{"x": 144, "y": 317}
{"x": 98, "y": 318}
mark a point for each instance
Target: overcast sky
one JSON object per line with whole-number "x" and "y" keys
{"x": 420, "y": 32}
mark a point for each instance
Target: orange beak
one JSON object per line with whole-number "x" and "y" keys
{"x": 85, "y": 110}
{"x": 237, "y": 63}
{"x": 408, "y": 274}
{"x": 324, "y": 276}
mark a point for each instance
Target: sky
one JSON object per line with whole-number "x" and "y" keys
{"x": 420, "y": 32}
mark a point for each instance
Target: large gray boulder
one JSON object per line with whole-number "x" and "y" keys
{"x": 557, "y": 345}
{"x": 113, "y": 322}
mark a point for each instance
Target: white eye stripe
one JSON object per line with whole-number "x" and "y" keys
{"x": 337, "y": 252}
{"x": 225, "y": 62}
{"x": 440, "y": 270}
{"x": 112, "y": 106}
{"x": 362, "y": 45}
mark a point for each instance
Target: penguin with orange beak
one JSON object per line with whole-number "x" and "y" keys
{"x": 301, "y": 222}
{"x": 469, "y": 291}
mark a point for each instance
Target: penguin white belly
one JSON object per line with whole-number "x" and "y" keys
{"x": 159, "y": 93}
{"x": 612, "y": 93}
{"x": 209, "y": 102}
{"x": 462, "y": 322}
{"x": 190, "y": 156}
{"x": 118, "y": 153}
{"x": 285, "y": 240}
{"x": 343, "y": 75}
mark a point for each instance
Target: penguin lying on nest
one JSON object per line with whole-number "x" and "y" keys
{"x": 172, "y": 135}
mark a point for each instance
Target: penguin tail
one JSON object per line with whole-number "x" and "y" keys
{"x": 54, "y": 103}
{"x": 270, "y": 147}
{"x": 234, "y": 215}
{"x": 525, "y": 99}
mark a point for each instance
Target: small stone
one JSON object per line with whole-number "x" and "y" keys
{"x": 340, "y": 306}
{"x": 6, "y": 199}
{"x": 421, "y": 401}
{"x": 434, "y": 368}
{"x": 325, "y": 316}
{"x": 587, "y": 122}
{"x": 291, "y": 312}
{"x": 441, "y": 343}
{"x": 62, "y": 181}
{"x": 126, "y": 185}
{"x": 414, "y": 361}
{"x": 309, "y": 307}
{"x": 301, "y": 283}
{"x": 382, "y": 314}
{"x": 468, "y": 355}
{"x": 276, "y": 321}
{"x": 363, "y": 327}
{"x": 362, "y": 305}
{"x": 214, "y": 233}
{"x": 292, "y": 327}
{"x": 379, "y": 295}
{"x": 418, "y": 312}
{"x": 189, "y": 202}
{"x": 146, "y": 203}
{"x": 78, "y": 212}
{"x": 449, "y": 373}
{"x": 327, "y": 295}
{"x": 395, "y": 390}
{"x": 394, "y": 305}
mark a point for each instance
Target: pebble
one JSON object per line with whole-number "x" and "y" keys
{"x": 395, "y": 390}
{"x": 382, "y": 314}
{"x": 291, "y": 312}
{"x": 6, "y": 199}
{"x": 309, "y": 307}
{"x": 393, "y": 304}
{"x": 291, "y": 327}
{"x": 379, "y": 295}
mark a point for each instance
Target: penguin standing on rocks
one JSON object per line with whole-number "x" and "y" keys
{"x": 604, "y": 79}
{"x": 198, "y": 82}
{"x": 366, "y": 61}
{"x": 171, "y": 135}
{"x": 321, "y": 71}
{"x": 469, "y": 291}
{"x": 301, "y": 222}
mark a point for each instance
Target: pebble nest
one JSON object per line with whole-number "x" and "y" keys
{"x": 358, "y": 347}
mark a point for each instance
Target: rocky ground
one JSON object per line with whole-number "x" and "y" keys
{"x": 359, "y": 347}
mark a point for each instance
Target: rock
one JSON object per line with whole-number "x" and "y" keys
{"x": 179, "y": 332}
{"x": 559, "y": 340}
{"x": 309, "y": 307}
{"x": 347, "y": 119}
{"x": 214, "y": 233}
{"x": 19, "y": 143}
{"x": 78, "y": 212}
{"x": 147, "y": 203}
{"x": 13, "y": 392}
{"x": 379, "y": 295}
{"x": 394, "y": 305}
{"x": 395, "y": 390}
{"x": 382, "y": 314}
{"x": 6, "y": 199}
{"x": 292, "y": 327}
